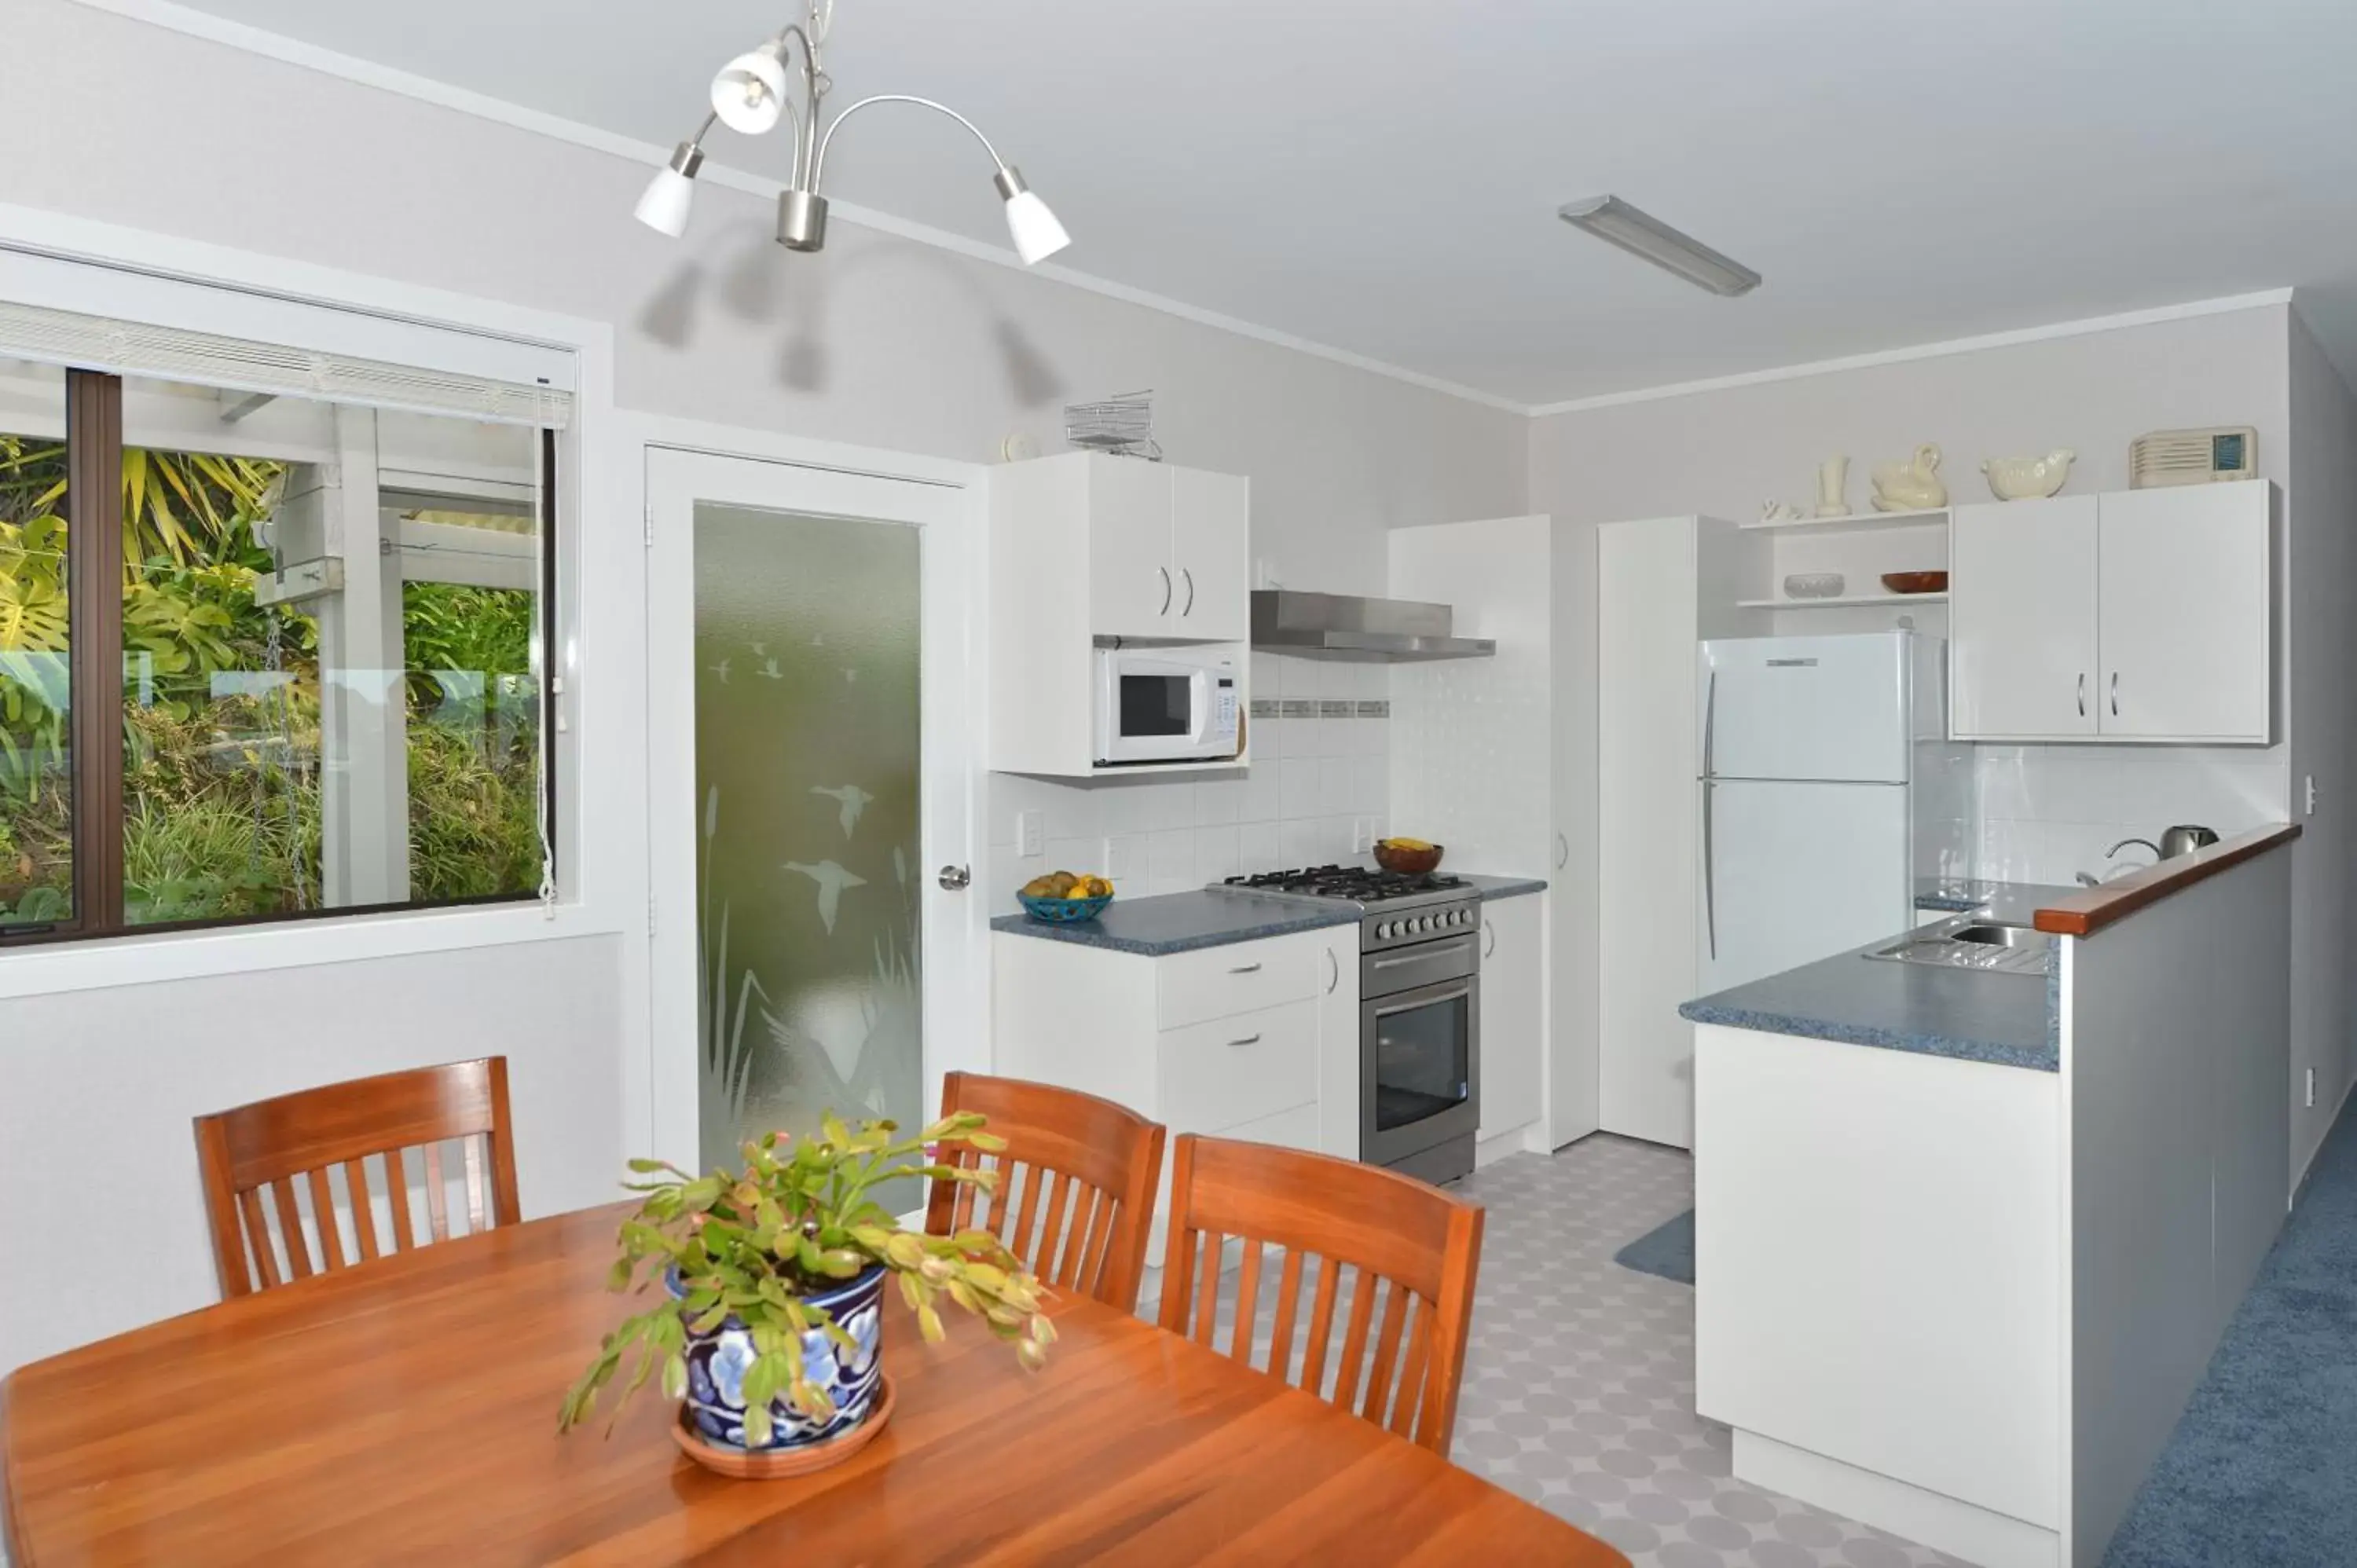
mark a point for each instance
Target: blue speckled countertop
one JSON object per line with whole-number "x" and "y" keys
{"x": 1967, "y": 1014}
{"x": 1182, "y": 922}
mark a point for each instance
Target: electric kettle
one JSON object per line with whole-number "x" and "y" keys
{"x": 2184, "y": 839}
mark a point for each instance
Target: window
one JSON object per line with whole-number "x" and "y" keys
{"x": 299, "y": 670}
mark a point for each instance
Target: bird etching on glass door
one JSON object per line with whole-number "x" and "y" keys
{"x": 721, "y": 670}
{"x": 770, "y": 670}
{"x": 832, "y": 880}
{"x": 854, "y": 801}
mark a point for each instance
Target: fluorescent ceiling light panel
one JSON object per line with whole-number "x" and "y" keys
{"x": 1613, "y": 221}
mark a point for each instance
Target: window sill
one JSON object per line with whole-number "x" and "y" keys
{"x": 46, "y": 969}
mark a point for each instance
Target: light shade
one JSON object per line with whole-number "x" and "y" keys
{"x": 664, "y": 208}
{"x": 750, "y": 93}
{"x": 1036, "y": 233}
{"x": 1640, "y": 233}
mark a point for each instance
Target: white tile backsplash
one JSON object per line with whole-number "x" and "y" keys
{"x": 2047, "y": 813}
{"x": 1311, "y": 779}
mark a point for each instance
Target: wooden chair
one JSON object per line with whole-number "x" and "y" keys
{"x": 297, "y": 1142}
{"x": 1417, "y": 1240}
{"x": 1095, "y": 1159}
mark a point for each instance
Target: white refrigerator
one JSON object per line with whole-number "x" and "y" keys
{"x": 1821, "y": 757}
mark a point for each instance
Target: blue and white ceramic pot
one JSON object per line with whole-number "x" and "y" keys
{"x": 717, "y": 1362}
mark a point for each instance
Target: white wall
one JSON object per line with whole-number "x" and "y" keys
{"x": 2046, "y": 812}
{"x": 878, "y": 341}
{"x": 2321, "y": 586}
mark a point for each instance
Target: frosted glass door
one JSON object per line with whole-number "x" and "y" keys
{"x": 808, "y": 650}
{"x": 810, "y": 780}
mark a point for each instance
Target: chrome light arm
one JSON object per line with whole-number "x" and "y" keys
{"x": 818, "y": 168}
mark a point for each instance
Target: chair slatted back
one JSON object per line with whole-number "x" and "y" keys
{"x": 1076, "y": 1183}
{"x": 1413, "y": 1246}
{"x": 273, "y": 1170}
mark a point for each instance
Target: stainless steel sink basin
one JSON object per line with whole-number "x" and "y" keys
{"x": 1973, "y": 941}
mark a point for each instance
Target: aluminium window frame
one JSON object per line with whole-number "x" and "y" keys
{"x": 95, "y": 701}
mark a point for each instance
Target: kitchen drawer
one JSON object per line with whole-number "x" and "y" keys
{"x": 1293, "y": 1129}
{"x": 1224, "y": 1072}
{"x": 1218, "y": 982}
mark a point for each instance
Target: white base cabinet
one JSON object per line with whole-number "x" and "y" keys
{"x": 1255, "y": 1040}
{"x": 2130, "y": 616}
{"x": 1514, "y": 1017}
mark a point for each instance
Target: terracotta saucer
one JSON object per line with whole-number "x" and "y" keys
{"x": 786, "y": 1463}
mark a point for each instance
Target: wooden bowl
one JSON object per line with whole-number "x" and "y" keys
{"x": 1916, "y": 582}
{"x": 783, "y": 1464}
{"x": 1407, "y": 861}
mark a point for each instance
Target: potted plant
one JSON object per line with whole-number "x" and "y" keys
{"x": 771, "y": 1279}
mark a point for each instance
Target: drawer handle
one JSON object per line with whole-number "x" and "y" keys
{"x": 1248, "y": 1040}
{"x": 1245, "y": 969}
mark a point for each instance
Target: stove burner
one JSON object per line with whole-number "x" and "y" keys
{"x": 1358, "y": 884}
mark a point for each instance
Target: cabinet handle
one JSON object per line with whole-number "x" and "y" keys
{"x": 1190, "y": 609}
{"x": 1166, "y": 590}
{"x": 1245, "y": 969}
{"x": 1248, "y": 1040}
{"x": 2083, "y": 694}
{"x": 2116, "y": 693}
{"x": 1491, "y": 945}
{"x": 1333, "y": 971}
{"x": 1562, "y": 851}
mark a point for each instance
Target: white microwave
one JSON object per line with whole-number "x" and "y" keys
{"x": 1165, "y": 705}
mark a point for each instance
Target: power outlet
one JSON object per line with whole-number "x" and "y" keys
{"x": 2311, "y": 794}
{"x": 2312, "y": 1086}
{"x": 1030, "y": 833}
{"x": 1362, "y": 834}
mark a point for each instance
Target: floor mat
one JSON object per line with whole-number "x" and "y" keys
{"x": 1666, "y": 1250}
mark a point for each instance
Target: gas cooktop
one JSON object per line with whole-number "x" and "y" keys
{"x": 1352, "y": 885}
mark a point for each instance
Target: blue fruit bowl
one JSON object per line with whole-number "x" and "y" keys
{"x": 1064, "y": 912}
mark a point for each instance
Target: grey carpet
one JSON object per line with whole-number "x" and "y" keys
{"x": 2262, "y": 1470}
{"x": 1666, "y": 1250}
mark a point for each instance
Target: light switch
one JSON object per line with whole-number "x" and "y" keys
{"x": 1030, "y": 833}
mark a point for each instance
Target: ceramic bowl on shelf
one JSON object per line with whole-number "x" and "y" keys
{"x": 1916, "y": 582}
{"x": 1815, "y": 585}
{"x": 2028, "y": 479}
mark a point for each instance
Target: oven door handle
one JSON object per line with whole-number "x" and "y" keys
{"x": 1409, "y": 1001}
{"x": 1424, "y": 954}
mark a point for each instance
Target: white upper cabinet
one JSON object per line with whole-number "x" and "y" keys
{"x": 1210, "y": 555}
{"x": 2131, "y": 616}
{"x": 1133, "y": 590}
{"x": 2022, "y": 658}
{"x": 2185, "y": 592}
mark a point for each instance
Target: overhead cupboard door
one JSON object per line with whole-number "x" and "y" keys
{"x": 1805, "y": 707}
{"x": 2186, "y": 641}
{"x": 2022, "y": 660}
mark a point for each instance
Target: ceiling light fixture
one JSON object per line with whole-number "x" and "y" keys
{"x": 749, "y": 94}
{"x": 1616, "y": 222}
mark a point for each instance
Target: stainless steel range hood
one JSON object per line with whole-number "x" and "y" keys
{"x": 1339, "y": 626}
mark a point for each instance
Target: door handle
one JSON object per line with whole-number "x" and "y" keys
{"x": 1710, "y": 871}
{"x": 1166, "y": 590}
{"x": 956, "y": 879}
{"x": 2116, "y": 693}
{"x": 1333, "y": 971}
{"x": 1492, "y": 932}
{"x": 1710, "y": 727}
{"x": 1190, "y": 591}
{"x": 2083, "y": 694}
{"x": 1562, "y": 851}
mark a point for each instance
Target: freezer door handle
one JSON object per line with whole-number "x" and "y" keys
{"x": 1709, "y": 872}
{"x": 1710, "y": 725}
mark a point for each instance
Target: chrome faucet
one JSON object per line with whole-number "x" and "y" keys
{"x": 2124, "y": 843}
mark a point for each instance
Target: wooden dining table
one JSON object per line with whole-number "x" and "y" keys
{"x": 404, "y": 1410}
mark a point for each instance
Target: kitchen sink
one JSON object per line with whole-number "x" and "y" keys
{"x": 1973, "y": 941}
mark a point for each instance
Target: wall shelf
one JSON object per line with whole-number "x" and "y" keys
{"x": 1857, "y": 522}
{"x": 1844, "y": 602}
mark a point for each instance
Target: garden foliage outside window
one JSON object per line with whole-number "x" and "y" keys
{"x": 324, "y": 621}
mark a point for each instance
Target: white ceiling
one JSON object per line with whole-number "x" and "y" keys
{"x": 1382, "y": 178}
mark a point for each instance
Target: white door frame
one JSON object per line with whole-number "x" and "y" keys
{"x": 948, "y": 500}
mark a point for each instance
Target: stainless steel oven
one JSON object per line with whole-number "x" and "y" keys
{"x": 1419, "y": 1045}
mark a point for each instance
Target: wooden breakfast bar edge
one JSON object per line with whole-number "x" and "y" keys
{"x": 2085, "y": 914}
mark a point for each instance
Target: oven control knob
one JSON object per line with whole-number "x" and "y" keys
{"x": 1383, "y": 932}
{"x": 1424, "y": 922}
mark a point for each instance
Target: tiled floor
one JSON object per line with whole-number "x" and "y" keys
{"x": 1579, "y": 1390}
